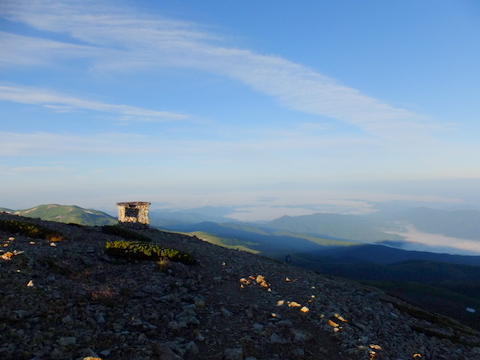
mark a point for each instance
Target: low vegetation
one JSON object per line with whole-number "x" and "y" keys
{"x": 124, "y": 233}
{"x": 226, "y": 242}
{"x": 30, "y": 230}
{"x": 136, "y": 250}
{"x": 67, "y": 214}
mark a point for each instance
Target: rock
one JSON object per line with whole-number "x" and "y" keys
{"x": 226, "y": 313}
{"x": 293, "y": 304}
{"x": 192, "y": 348}
{"x": 277, "y": 339}
{"x": 298, "y": 352}
{"x": 170, "y": 356}
{"x": 300, "y": 336}
{"x": 284, "y": 323}
{"x": 99, "y": 318}
{"x": 233, "y": 354}
{"x": 260, "y": 279}
{"x": 56, "y": 354}
{"x": 257, "y": 327}
{"x": 304, "y": 309}
{"x": 137, "y": 322}
{"x": 67, "y": 340}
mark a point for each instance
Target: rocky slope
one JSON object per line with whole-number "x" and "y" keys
{"x": 70, "y": 300}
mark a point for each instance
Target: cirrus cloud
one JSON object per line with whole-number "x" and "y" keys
{"x": 147, "y": 41}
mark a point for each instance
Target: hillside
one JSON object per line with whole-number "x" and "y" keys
{"x": 260, "y": 239}
{"x": 67, "y": 214}
{"x": 73, "y": 300}
{"x": 441, "y": 282}
{"x": 168, "y": 218}
{"x": 380, "y": 254}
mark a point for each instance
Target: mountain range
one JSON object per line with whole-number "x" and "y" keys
{"x": 463, "y": 224}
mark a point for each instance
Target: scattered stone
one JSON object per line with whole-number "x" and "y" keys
{"x": 233, "y": 354}
{"x": 298, "y": 352}
{"x": 300, "y": 336}
{"x": 79, "y": 299}
{"x": 304, "y": 309}
{"x": 226, "y": 313}
{"x": 293, "y": 304}
{"x": 68, "y": 340}
{"x": 260, "y": 279}
{"x": 277, "y": 339}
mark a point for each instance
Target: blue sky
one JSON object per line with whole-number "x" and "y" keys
{"x": 271, "y": 107}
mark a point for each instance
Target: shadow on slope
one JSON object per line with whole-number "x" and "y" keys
{"x": 259, "y": 239}
{"x": 387, "y": 255}
{"x": 170, "y": 218}
{"x": 445, "y": 288}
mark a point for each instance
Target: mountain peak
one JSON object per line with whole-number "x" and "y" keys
{"x": 68, "y": 214}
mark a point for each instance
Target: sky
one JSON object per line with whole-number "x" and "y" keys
{"x": 268, "y": 107}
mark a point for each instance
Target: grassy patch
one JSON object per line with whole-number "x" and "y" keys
{"x": 228, "y": 243}
{"x": 135, "y": 250}
{"x": 31, "y": 230}
{"x": 317, "y": 240}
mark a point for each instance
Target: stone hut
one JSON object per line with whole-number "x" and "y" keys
{"x": 133, "y": 214}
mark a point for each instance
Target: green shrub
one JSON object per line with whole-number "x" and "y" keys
{"x": 124, "y": 233}
{"x": 31, "y": 230}
{"x": 136, "y": 250}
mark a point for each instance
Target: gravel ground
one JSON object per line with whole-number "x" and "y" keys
{"x": 70, "y": 300}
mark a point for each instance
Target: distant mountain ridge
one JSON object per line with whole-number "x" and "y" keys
{"x": 66, "y": 214}
{"x": 172, "y": 218}
{"x": 463, "y": 224}
{"x": 348, "y": 227}
{"x": 259, "y": 239}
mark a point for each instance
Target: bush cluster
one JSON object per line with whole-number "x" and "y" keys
{"x": 30, "y": 230}
{"x": 124, "y": 233}
{"x": 136, "y": 250}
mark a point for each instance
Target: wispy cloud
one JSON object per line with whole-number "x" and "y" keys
{"x": 147, "y": 41}
{"x": 38, "y": 169}
{"x": 43, "y": 143}
{"x": 40, "y": 144}
{"x": 64, "y": 103}
{"x": 34, "y": 51}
